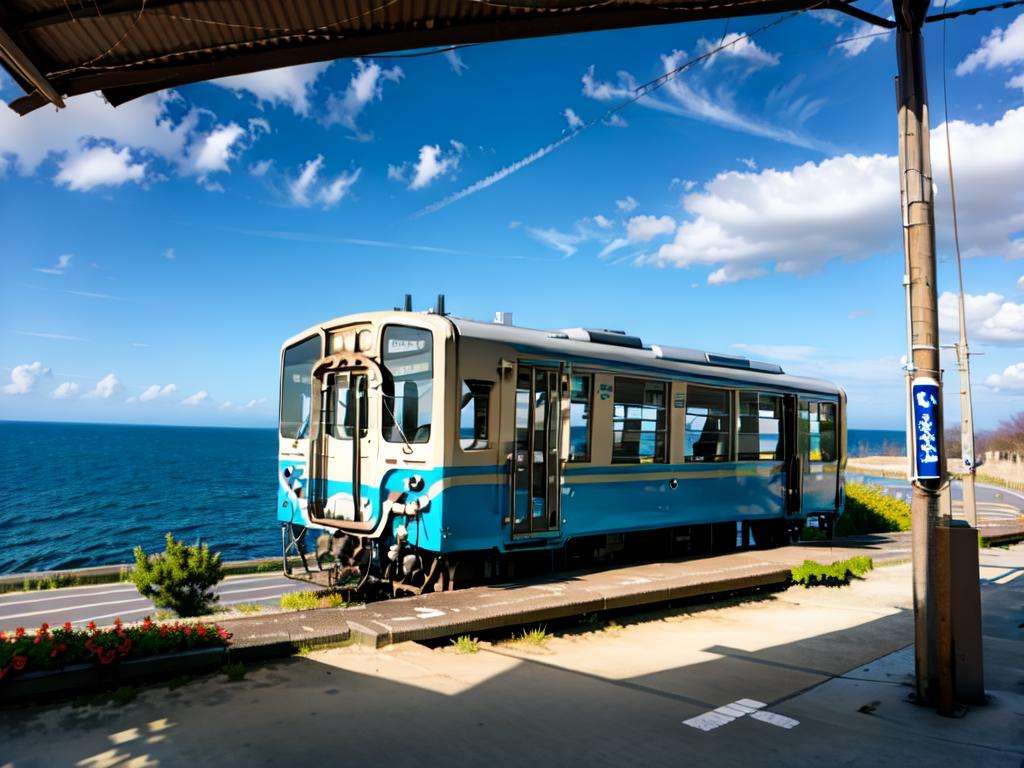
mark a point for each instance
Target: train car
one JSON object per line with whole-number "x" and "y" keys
{"x": 419, "y": 449}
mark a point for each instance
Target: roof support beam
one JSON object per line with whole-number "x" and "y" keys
{"x": 851, "y": 10}
{"x": 17, "y": 59}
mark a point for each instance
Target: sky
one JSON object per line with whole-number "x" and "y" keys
{"x": 155, "y": 256}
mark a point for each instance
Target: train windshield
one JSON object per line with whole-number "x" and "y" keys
{"x": 295, "y": 387}
{"x": 407, "y": 360}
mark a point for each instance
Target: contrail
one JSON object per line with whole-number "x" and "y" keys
{"x": 498, "y": 175}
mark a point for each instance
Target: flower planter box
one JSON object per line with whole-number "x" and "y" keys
{"x": 46, "y": 684}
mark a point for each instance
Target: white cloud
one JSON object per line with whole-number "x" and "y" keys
{"x": 1016, "y": 81}
{"x": 455, "y": 61}
{"x": 860, "y": 38}
{"x": 99, "y": 166}
{"x": 615, "y": 120}
{"x": 1011, "y": 379}
{"x": 288, "y": 85}
{"x": 226, "y": 405}
{"x": 65, "y": 391}
{"x": 1020, "y": 282}
{"x": 739, "y": 47}
{"x": 54, "y": 336}
{"x": 197, "y": 399}
{"x": 990, "y": 317}
{"x": 307, "y": 189}
{"x": 605, "y": 223}
{"x": 433, "y": 163}
{"x": 563, "y": 242}
{"x": 63, "y": 262}
{"x": 156, "y": 391}
{"x": 615, "y": 245}
{"x": 626, "y": 204}
{"x": 24, "y": 378}
{"x": 574, "y": 120}
{"x": 366, "y": 85}
{"x": 105, "y": 388}
{"x": 750, "y": 162}
{"x": 260, "y": 167}
{"x": 686, "y": 95}
{"x": 1002, "y": 47}
{"x": 848, "y": 207}
{"x": 256, "y": 403}
{"x": 643, "y": 229}
{"x": 213, "y": 152}
{"x": 169, "y": 254}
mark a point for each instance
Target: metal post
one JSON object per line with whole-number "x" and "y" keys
{"x": 932, "y": 620}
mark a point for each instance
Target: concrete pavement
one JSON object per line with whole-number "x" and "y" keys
{"x": 799, "y": 677}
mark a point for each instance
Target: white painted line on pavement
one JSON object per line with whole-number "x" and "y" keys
{"x": 724, "y": 715}
{"x": 775, "y": 719}
{"x": 71, "y": 608}
{"x": 6, "y": 603}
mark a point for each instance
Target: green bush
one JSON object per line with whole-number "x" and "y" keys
{"x": 869, "y": 510}
{"x": 812, "y": 573}
{"x": 180, "y": 578}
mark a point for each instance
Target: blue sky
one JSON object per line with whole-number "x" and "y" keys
{"x": 155, "y": 256}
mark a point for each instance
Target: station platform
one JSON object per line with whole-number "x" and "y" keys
{"x": 448, "y": 614}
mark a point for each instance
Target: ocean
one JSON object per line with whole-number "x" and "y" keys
{"x": 76, "y": 495}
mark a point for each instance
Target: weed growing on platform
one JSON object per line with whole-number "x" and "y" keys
{"x": 466, "y": 644}
{"x": 234, "y": 672}
{"x": 180, "y": 578}
{"x": 869, "y": 510}
{"x": 307, "y": 601}
{"x": 812, "y": 573}
{"x": 248, "y": 607}
{"x": 535, "y": 637}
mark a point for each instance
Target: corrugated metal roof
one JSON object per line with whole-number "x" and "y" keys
{"x": 126, "y": 48}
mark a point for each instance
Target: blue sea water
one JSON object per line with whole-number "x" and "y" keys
{"x": 75, "y": 495}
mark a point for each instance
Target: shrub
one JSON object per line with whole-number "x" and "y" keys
{"x": 235, "y": 671}
{"x": 57, "y": 648}
{"x": 180, "y": 578}
{"x": 536, "y": 636}
{"x": 307, "y": 601}
{"x": 813, "y": 573}
{"x": 869, "y": 510}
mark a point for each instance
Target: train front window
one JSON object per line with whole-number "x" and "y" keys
{"x": 407, "y": 360}
{"x": 295, "y": 387}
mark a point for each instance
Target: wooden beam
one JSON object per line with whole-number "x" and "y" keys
{"x": 17, "y": 59}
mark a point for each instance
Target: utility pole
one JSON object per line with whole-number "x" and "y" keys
{"x": 931, "y": 562}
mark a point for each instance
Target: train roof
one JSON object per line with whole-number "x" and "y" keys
{"x": 603, "y": 346}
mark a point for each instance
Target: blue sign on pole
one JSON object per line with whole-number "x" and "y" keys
{"x": 925, "y": 395}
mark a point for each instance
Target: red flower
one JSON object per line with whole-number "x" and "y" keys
{"x": 201, "y": 630}
{"x": 67, "y": 626}
{"x": 91, "y": 626}
{"x": 117, "y": 622}
{"x": 163, "y": 631}
{"x": 19, "y": 662}
{"x": 44, "y": 627}
{"x": 3, "y": 672}
{"x": 38, "y": 639}
{"x": 3, "y": 635}
{"x": 19, "y": 632}
{"x": 187, "y": 631}
{"x": 107, "y": 656}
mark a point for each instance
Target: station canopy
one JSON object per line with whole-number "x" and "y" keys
{"x": 128, "y": 48}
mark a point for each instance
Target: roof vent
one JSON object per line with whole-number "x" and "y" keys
{"x": 604, "y": 336}
{"x": 503, "y": 318}
{"x": 682, "y": 355}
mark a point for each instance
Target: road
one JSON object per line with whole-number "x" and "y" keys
{"x": 995, "y": 504}
{"x": 103, "y": 602}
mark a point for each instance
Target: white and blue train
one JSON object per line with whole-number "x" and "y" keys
{"x": 419, "y": 450}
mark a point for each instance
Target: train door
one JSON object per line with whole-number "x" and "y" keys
{"x": 534, "y": 472}
{"x": 793, "y": 458}
{"x": 816, "y": 438}
{"x": 345, "y": 412}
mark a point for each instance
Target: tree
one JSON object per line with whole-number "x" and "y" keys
{"x": 180, "y": 578}
{"x": 1008, "y": 436}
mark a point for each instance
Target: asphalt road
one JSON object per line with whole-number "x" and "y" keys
{"x": 995, "y": 504}
{"x": 103, "y": 602}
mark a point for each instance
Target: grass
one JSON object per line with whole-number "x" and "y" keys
{"x": 536, "y": 637}
{"x": 869, "y": 510}
{"x": 466, "y": 644}
{"x": 307, "y": 601}
{"x": 813, "y": 573}
{"x": 248, "y": 607}
{"x": 234, "y": 672}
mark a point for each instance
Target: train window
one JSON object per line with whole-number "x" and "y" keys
{"x": 407, "y": 361}
{"x": 473, "y": 415}
{"x": 708, "y": 432}
{"x": 827, "y": 430}
{"x": 759, "y": 436}
{"x": 639, "y": 422}
{"x": 341, "y": 415}
{"x": 813, "y": 432}
{"x": 295, "y": 387}
{"x": 580, "y": 398}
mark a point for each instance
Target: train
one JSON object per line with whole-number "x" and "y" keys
{"x": 421, "y": 451}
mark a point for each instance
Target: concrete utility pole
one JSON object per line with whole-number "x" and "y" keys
{"x": 963, "y": 364}
{"x": 932, "y": 585}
